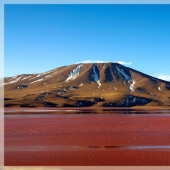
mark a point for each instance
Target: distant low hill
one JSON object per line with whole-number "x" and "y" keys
{"x": 81, "y": 85}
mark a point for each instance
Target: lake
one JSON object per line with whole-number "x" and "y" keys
{"x": 111, "y": 136}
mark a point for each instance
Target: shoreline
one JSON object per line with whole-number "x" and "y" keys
{"x": 88, "y": 110}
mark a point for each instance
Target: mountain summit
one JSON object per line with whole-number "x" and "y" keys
{"x": 92, "y": 84}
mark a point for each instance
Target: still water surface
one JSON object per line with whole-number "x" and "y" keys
{"x": 45, "y": 134}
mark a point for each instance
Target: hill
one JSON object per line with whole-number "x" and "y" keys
{"x": 80, "y": 85}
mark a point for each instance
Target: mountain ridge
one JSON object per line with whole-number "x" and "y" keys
{"x": 87, "y": 84}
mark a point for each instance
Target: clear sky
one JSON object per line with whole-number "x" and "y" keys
{"x": 38, "y": 38}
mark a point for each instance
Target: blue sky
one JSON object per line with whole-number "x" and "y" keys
{"x": 38, "y": 38}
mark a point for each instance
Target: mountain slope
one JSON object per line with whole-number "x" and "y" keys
{"x": 99, "y": 84}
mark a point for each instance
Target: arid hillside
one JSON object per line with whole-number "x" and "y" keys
{"x": 80, "y": 85}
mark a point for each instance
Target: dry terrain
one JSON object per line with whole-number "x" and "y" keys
{"x": 81, "y": 85}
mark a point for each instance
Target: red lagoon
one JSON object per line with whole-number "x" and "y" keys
{"x": 78, "y": 138}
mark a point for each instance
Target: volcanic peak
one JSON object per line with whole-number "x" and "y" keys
{"x": 110, "y": 84}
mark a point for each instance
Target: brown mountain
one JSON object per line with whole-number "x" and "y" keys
{"x": 95, "y": 84}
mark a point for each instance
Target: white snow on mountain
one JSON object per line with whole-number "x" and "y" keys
{"x": 159, "y": 88}
{"x": 73, "y": 74}
{"x": 131, "y": 85}
{"x": 127, "y": 78}
{"x": 96, "y": 77}
{"x": 15, "y": 80}
{"x": 26, "y": 77}
{"x": 123, "y": 73}
{"x": 36, "y": 81}
{"x": 38, "y": 75}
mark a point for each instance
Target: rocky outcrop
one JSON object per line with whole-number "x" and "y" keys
{"x": 73, "y": 88}
{"x": 84, "y": 103}
{"x": 129, "y": 101}
{"x": 96, "y": 100}
{"x": 50, "y": 104}
{"x": 168, "y": 86}
{"x": 141, "y": 90}
{"x": 5, "y": 99}
{"x": 22, "y": 86}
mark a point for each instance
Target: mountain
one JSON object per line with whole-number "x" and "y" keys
{"x": 94, "y": 84}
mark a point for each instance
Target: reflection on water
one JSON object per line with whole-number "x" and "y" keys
{"x": 53, "y": 148}
{"x": 129, "y": 147}
{"x": 86, "y": 111}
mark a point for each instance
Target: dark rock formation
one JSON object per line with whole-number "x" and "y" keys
{"x": 26, "y": 105}
{"x": 84, "y": 103}
{"x": 108, "y": 75}
{"x": 64, "y": 97}
{"x": 141, "y": 89}
{"x": 73, "y": 88}
{"x": 22, "y": 86}
{"x": 5, "y": 99}
{"x": 40, "y": 97}
{"x": 98, "y": 100}
{"x": 68, "y": 105}
{"x": 62, "y": 91}
{"x": 128, "y": 102}
{"x": 50, "y": 104}
{"x": 168, "y": 86}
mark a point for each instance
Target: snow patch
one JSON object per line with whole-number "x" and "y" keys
{"x": 14, "y": 81}
{"x": 26, "y": 77}
{"x": 127, "y": 78}
{"x": 159, "y": 89}
{"x": 12, "y": 78}
{"x": 73, "y": 74}
{"x": 123, "y": 73}
{"x": 81, "y": 84}
{"x": 96, "y": 77}
{"x": 131, "y": 85}
{"x": 32, "y": 78}
{"x": 44, "y": 74}
{"x": 38, "y": 75}
{"x": 48, "y": 76}
{"x": 36, "y": 80}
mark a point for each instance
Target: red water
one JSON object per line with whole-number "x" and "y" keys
{"x": 87, "y": 139}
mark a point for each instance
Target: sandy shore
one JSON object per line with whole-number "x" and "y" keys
{"x": 94, "y": 139}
